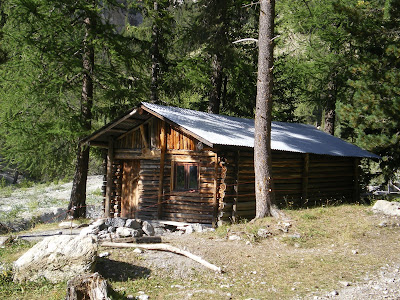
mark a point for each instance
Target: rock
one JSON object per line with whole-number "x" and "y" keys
{"x": 134, "y": 224}
{"x": 333, "y": 293}
{"x": 387, "y": 208}
{"x": 345, "y": 283}
{"x": 159, "y": 231}
{"x": 148, "y": 228}
{"x": 142, "y": 296}
{"x": 101, "y": 223}
{"x": 127, "y": 232}
{"x": 3, "y": 240}
{"x": 263, "y": 233}
{"x": 4, "y": 228}
{"x": 91, "y": 229}
{"x": 138, "y": 251}
{"x": 189, "y": 229}
{"x": 104, "y": 254}
{"x": 57, "y": 259}
{"x": 68, "y": 224}
{"x": 383, "y": 224}
{"x": 87, "y": 286}
{"x": 234, "y": 237}
{"x": 354, "y": 251}
{"x": 115, "y": 222}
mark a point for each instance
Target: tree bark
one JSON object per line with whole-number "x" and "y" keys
{"x": 262, "y": 130}
{"x": 155, "y": 59}
{"x": 87, "y": 286}
{"x": 214, "y": 101}
{"x": 330, "y": 106}
{"x": 77, "y": 204}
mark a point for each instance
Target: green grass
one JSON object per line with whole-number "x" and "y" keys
{"x": 312, "y": 257}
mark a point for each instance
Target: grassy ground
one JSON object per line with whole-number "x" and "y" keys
{"x": 323, "y": 247}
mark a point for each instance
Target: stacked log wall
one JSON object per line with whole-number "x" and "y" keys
{"x": 331, "y": 179}
{"x": 194, "y": 206}
{"x": 299, "y": 180}
{"x": 148, "y": 183}
{"x": 116, "y": 189}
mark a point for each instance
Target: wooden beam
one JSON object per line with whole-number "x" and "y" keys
{"x": 163, "y": 145}
{"x": 98, "y": 144}
{"x": 134, "y": 128}
{"x": 144, "y": 137}
{"x": 104, "y": 129}
{"x": 184, "y": 130}
{"x": 109, "y": 186}
{"x": 356, "y": 196}
{"x": 236, "y": 187}
{"x": 215, "y": 192}
{"x": 306, "y": 164}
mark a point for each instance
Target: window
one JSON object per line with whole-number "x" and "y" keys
{"x": 186, "y": 177}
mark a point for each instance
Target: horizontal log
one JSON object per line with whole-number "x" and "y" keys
{"x": 198, "y": 217}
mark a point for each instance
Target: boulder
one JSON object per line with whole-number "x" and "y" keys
{"x": 148, "y": 228}
{"x": 387, "y": 208}
{"x": 127, "y": 232}
{"x": 134, "y": 224}
{"x": 115, "y": 222}
{"x": 57, "y": 258}
{"x": 91, "y": 229}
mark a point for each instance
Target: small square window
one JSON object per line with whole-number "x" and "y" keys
{"x": 186, "y": 177}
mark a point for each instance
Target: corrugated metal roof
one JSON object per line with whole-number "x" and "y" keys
{"x": 231, "y": 131}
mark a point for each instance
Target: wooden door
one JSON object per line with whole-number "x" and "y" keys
{"x": 130, "y": 190}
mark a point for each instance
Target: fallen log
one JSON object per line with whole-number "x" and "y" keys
{"x": 164, "y": 247}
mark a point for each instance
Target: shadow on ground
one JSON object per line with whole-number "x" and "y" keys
{"x": 120, "y": 271}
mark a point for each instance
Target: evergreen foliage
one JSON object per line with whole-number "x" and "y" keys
{"x": 41, "y": 116}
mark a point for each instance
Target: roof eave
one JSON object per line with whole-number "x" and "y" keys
{"x": 183, "y": 129}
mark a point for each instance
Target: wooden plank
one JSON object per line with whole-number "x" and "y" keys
{"x": 144, "y": 137}
{"x": 304, "y": 187}
{"x": 236, "y": 187}
{"x": 356, "y": 196}
{"x": 163, "y": 136}
{"x": 109, "y": 186}
{"x": 215, "y": 187}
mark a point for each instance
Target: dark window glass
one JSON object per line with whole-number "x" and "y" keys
{"x": 193, "y": 177}
{"x": 180, "y": 177}
{"x": 186, "y": 176}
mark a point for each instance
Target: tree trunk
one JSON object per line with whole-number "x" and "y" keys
{"x": 155, "y": 59}
{"x": 330, "y": 107}
{"x": 87, "y": 286}
{"x": 214, "y": 101}
{"x": 262, "y": 135}
{"x": 77, "y": 204}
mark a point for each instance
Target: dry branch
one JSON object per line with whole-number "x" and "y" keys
{"x": 164, "y": 247}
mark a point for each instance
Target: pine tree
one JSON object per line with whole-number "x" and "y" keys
{"x": 372, "y": 116}
{"x": 262, "y": 127}
{"x": 68, "y": 68}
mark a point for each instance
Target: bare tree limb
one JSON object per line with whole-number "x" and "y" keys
{"x": 245, "y": 40}
{"x": 164, "y": 247}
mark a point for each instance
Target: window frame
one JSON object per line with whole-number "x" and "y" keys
{"x": 186, "y": 188}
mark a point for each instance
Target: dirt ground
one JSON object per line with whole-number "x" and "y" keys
{"x": 365, "y": 266}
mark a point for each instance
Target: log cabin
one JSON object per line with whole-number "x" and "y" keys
{"x": 176, "y": 164}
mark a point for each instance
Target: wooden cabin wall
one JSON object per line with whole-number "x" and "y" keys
{"x": 299, "y": 180}
{"x": 177, "y": 140}
{"x": 176, "y": 206}
{"x": 189, "y": 206}
{"x": 331, "y": 179}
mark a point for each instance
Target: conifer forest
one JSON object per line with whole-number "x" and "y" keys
{"x": 69, "y": 67}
